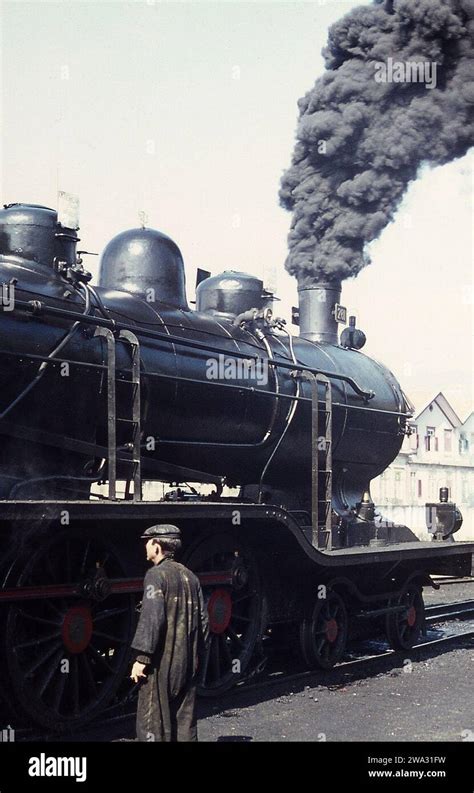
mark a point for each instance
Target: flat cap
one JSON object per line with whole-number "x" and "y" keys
{"x": 163, "y": 530}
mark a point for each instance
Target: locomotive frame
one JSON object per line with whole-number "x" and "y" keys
{"x": 260, "y": 567}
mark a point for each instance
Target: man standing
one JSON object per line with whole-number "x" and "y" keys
{"x": 172, "y": 633}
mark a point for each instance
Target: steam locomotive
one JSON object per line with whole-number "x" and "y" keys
{"x": 124, "y": 383}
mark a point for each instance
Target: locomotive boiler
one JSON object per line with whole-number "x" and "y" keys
{"x": 124, "y": 382}
{"x": 244, "y": 428}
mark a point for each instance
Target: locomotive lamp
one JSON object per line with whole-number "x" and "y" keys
{"x": 353, "y": 338}
{"x": 444, "y": 518}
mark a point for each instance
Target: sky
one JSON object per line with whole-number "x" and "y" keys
{"x": 187, "y": 111}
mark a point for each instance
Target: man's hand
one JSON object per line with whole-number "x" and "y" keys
{"x": 137, "y": 671}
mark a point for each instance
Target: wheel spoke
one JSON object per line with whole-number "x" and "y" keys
{"x": 238, "y": 638}
{"x": 84, "y": 558}
{"x": 41, "y": 660}
{"x": 205, "y": 663}
{"x": 245, "y": 596}
{"x": 103, "y": 615}
{"x": 34, "y": 642}
{"x": 400, "y": 633}
{"x": 215, "y": 656}
{"x": 28, "y": 616}
{"x": 60, "y": 685}
{"x": 55, "y": 608}
{"x": 75, "y": 684}
{"x": 34, "y": 632}
{"x": 241, "y": 617}
{"x": 115, "y": 639}
{"x": 320, "y": 644}
{"x": 226, "y": 649}
{"x": 51, "y": 672}
{"x": 323, "y": 635}
{"x": 89, "y": 677}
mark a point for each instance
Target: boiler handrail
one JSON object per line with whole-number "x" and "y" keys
{"x": 37, "y": 307}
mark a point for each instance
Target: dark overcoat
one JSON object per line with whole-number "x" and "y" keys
{"x": 171, "y": 635}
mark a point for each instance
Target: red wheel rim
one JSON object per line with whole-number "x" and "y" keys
{"x": 77, "y": 629}
{"x": 411, "y": 616}
{"x": 220, "y": 610}
{"x": 331, "y": 630}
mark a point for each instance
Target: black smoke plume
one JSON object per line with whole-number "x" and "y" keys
{"x": 361, "y": 142}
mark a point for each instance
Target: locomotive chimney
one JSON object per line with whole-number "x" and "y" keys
{"x": 317, "y": 301}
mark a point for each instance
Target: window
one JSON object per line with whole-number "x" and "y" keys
{"x": 414, "y": 439}
{"x": 448, "y": 440}
{"x": 420, "y": 489}
{"x": 431, "y": 443}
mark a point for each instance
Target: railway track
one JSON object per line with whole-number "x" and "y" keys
{"x": 353, "y": 664}
{"x": 438, "y": 613}
{"x": 264, "y": 678}
{"x": 433, "y": 615}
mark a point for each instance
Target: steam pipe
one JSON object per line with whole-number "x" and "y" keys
{"x": 36, "y": 307}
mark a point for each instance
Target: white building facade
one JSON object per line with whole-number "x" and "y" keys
{"x": 439, "y": 453}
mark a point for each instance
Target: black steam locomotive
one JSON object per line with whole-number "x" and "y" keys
{"x": 124, "y": 384}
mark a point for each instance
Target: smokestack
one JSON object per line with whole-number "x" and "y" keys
{"x": 317, "y": 303}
